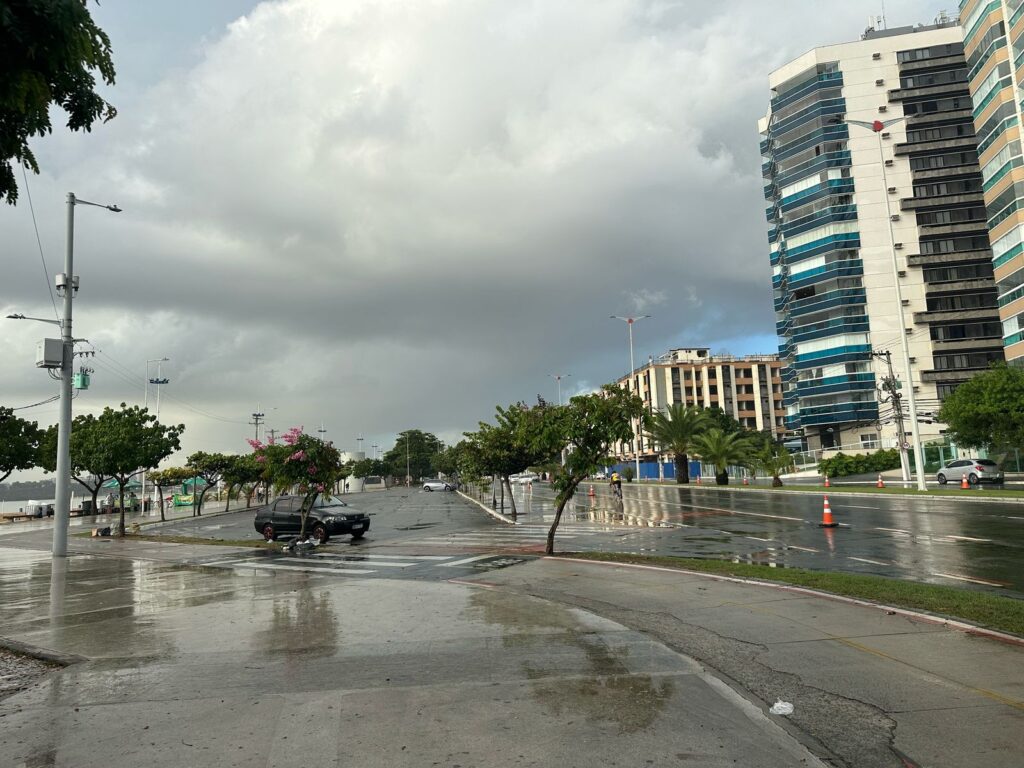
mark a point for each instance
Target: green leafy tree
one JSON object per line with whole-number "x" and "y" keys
{"x": 723, "y": 449}
{"x": 302, "y": 463}
{"x": 168, "y": 478}
{"x": 587, "y": 427}
{"x": 86, "y": 455}
{"x": 210, "y": 467}
{"x": 421, "y": 447}
{"x": 368, "y": 467}
{"x": 51, "y": 50}
{"x": 674, "y": 431}
{"x": 773, "y": 460}
{"x": 19, "y": 443}
{"x": 242, "y": 471}
{"x": 988, "y": 410}
{"x": 128, "y": 439}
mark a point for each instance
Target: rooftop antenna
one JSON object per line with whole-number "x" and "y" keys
{"x": 882, "y": 17}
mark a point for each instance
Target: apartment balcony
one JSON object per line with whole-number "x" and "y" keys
{"x": 954, "y": 375}
{"x": 941, "y": 201}
{"x": 949, "y": 315}
{"x": 958, "y": 286}
{"x": 939, "y": 62}
{"x": 965, "y": 171}
{"x": 979, "y": 344}
{"x": 975, "y": 227}
{"x": 941, "y": 259}
{"x": 960, "y": 142}
{"x": 943, "y": 90}
{"x": 916, "y": 121}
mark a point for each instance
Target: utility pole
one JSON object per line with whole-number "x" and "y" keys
{"x": 408, "y": 477}
{"x": 891, "y": 385}
{"x": 629, "y": 321}
{"x": 273, "y": 434}
{"x": 257, "y": 419}
{"x": 359, "y": 445}
{"x": 322, "y": 431}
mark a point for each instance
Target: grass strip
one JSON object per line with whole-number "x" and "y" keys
{"x": 956, "y": 492}
{"x": 1005, "y": 614}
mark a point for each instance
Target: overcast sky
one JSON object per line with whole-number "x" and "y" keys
{"x": 391, "y": 214}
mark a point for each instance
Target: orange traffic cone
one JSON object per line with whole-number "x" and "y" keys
{"x": 591, "y": 491}
{"x": 963, "y": 482}
{"x": 745, "y": 480}
{"x": 827, "y": 483}
{"x": 880, "y": 483}
{"x": 698, "y": 479}
{"x": 826, "y": 516}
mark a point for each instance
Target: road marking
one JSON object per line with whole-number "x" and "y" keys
{"x": 854, "y": 506}
{"x": 971, "y": 538}
{"x": 894, "y": 530}
{"x": 466, "y": 561}
{"x": 303, "y": 568}
{"x": 865, "y": 560}
{"x": 396, "y": 557}
{"x": 757, "y": 538}
{"x": 378, "y": 564}
{"x": 802, "y": 549}
{"x": 973, "y": 581}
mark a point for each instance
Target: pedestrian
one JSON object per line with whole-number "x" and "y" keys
{"x": 616, "y": 485}
{"x": 346, "y": 486}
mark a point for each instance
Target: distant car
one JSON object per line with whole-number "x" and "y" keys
{"x": 328, "y": 517}
{"x": 977, "y": 471}
{"x": 438, "y": 485}
{"x": 526, "y": 479}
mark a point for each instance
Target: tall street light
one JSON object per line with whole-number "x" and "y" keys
{"x": 636, "y": 432}
{"x": 145, "y": 403}
{"x": 67, "y": 282}
{"x": 558, "y": 377}
{"x": 878, "y": 126}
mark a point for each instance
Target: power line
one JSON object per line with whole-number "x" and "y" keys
{"x": 39, "y": 242}
{"x": 36, "y": 405}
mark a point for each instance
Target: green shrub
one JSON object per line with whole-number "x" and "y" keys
{"x": 842, "y": 465}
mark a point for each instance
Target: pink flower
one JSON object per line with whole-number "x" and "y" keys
{"x": 292, "y": 435}
{"x": 261, "y": 458}
{"x": 299, "y": 455}
{"x": 256, "y": 445}
{"x": 320, "y": 487}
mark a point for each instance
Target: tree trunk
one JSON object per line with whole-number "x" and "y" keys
{"x": 95, "y": 498}
{"x": 202, "y": 495}
{"x": 227, "y": 501}
{"x": 494, "y": 496}
{"x": 722, "y": 478}
{"x": 511, "y": 497}
{"x": 563, "y": 499}
{"x": 682, "y": 469}
{"x": 501, "y": 484}
{"x": 160, "y": 490}
{"x": 776, "y": 481}
{"x": 120, "y": 525}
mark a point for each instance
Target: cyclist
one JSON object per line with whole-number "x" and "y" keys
{"x": 615, "y": 483}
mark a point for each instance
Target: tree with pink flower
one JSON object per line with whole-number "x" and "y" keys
{"x": 299, "y": 464}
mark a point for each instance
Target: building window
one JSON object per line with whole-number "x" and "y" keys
{"x": 869, "y": 441}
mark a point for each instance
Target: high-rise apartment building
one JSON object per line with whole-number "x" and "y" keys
{"x": 994, "y": 46}
{"x": 872, "y": 181}
{"x": 747, "y": 388}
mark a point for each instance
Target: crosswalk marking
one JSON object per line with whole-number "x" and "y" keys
{"x": 327, "y": 558}
{"x": 465, "y": 561}
{"x": 297, "y": 567}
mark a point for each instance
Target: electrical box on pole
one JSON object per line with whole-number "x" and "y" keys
{"x": 50, "y": 353}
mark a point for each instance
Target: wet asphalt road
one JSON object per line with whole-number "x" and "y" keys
{"x": 941, "y": 541}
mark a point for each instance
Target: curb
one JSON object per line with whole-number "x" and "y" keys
{"x": 43, "y": 654}
{"x": 488, "y": 510}
{"x": 962, "y": 626}
{"x": 851, "y": 494}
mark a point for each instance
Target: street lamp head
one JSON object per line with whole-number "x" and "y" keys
{"x": 16, "y": 317}
{"x": 113, "y": 208}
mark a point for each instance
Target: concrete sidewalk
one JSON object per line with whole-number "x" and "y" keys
{"x": 869, "y": 689}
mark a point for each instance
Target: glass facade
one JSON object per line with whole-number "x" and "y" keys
{"x": 817, "y": 275}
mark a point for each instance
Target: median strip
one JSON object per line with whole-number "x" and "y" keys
{"x": 982, "y": 609}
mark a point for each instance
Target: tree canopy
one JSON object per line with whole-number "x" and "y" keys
{"x": 19, "y": 443}
{"x": 211, "y": 468}
{"x": 422, "y": 448}
{"x": 675, "y": 430}
{"x": 50, "y": 52}
{"x": 988, "y": 410}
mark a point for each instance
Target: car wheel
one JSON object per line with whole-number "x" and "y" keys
{"x": 972, "y": 479}
{"x": 320, "y": 533}
{"x": 269, "y": 534}
{"x": 358, "y": 535}
{"x": 942, "y": 479}
{"x": 427, "y": 488}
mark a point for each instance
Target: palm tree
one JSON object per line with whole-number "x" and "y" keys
{"x": 723, "y": 449}
{"x": 774, "y": 460}
{"x": 675, "y": 431}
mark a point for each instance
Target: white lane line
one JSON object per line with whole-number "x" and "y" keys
{"x": 968, "y": 578}
{"x": 802, "y": 549}
{"x": 390, "y": 557}
{"x": 971, "y": 538}
{"x": 894, "y": 530}
{"x": 378, "y": 564}
{"x": 696, "y": 507}
{"x": 854, "y": 506}
{"x": 302, "y": 568}
{"x": 757, "y": 538}
{"x": 465, "y": 561}
{"x": 865, "y": 560}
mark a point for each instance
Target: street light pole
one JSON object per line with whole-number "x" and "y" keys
{"x": 149, "y": 381}
{"x": 69, "y": 282}
{"x": 636, "y": 436}
{"x": 878, "y": 126}
{"x": 558, "y": 377}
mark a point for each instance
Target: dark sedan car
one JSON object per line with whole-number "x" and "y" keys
{"x": 328, "y": 517}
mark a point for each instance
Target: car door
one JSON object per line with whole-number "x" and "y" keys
{"x": 286, "y": 515}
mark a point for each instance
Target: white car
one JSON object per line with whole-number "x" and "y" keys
{"x": 438, "y": 485}
{"x": 525, "y": 479}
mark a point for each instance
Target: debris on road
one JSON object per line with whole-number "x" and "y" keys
{"x": 781, "y": 707}
{"x": 19, "y": 672}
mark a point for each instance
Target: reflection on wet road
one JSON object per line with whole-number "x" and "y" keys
{"x": 932, "y": 540}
